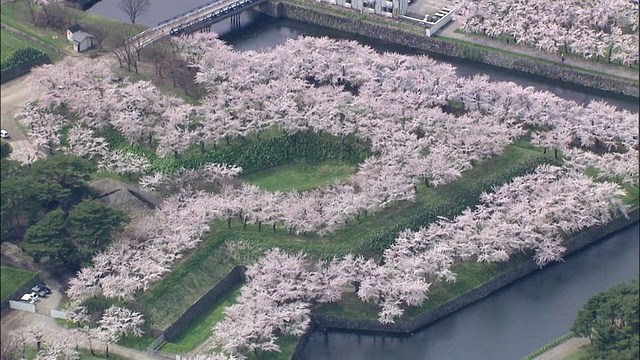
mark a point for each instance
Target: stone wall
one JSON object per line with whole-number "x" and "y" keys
{"x": 577, "y": 242}
{"x": 204, "y": 304}
{"x": 297, "y": 11}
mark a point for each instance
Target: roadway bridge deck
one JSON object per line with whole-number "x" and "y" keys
{"x": 193, "y": 20}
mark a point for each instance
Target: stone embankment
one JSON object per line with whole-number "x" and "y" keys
{"x": 576, "y": 243}
{"x": 510, "y": 58}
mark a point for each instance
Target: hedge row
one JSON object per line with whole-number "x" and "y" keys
{"x": 549, "y": 346}
{"x": 21, "y": 57}
{"x": 253, "y": 154}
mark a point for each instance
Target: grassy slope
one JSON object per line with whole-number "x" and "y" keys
{"x": 10, "y": 43}
{"x": 11, "y": 279}
{"x": 300, "y": 176}
{"x": 201, "y": 330}
{"x": 15, "y": 15}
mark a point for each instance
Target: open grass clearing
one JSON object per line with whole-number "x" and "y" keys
{"x": 11, "y": 43}
{"x": 580, "y": 354}
{"x": 300, "y": 176}
{"x": 136, "y": 342}
{"x": 11, "y": 279}
{"x": 15, "y": 15}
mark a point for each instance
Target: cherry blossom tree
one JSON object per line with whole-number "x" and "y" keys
{"x": 121, "y": 322}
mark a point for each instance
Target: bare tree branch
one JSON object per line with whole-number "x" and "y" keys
{"x": 134, "y": 8}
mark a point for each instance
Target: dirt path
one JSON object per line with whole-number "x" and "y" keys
{"x": 22, "y": 322}
{"x": 563, "y": 350}
{"x": 13, "y": 94}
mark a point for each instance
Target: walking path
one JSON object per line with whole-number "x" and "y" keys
{"x": 23, "y": 322}
{"x": 563, "y": 350}
{"x": 626, "y": 73}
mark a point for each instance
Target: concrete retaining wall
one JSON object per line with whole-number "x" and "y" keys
{"x": 57, "y": 314}
{"x": 392, "y": 35}
{"x": 26, "y": 288}
{"x": 204, "y": 304}
{"x": 21, "y": 305}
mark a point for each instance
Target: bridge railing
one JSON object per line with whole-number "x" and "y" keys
{"x": 179, "y": 21}
{"x": 201, "y": 7}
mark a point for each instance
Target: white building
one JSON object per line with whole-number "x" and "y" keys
{"x": 393, "y": 8}
{"x": 81, "y": 40}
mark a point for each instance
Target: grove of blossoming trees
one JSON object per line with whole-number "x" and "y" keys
{"x": 604, "y": 29}
{"x": 397, "y": 104}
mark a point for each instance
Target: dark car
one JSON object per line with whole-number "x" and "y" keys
{"x": 41, "y": 289}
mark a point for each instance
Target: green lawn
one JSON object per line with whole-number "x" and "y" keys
{"x": 137, "y": 342}
{"x": 10, "y": 43}
{"x": 12, "y": 279}
{"x": 579, "y": 354}
{"x": 201, "y": 329}
{"x": 300, "y": 176}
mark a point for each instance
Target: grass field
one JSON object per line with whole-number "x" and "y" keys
{"x": 183, "y": 286}
{"x": 12, "y": 279}
{"x": 9, "y": 43}
{"x": 300, "y": 176}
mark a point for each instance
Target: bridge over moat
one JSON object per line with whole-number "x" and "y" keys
{"x": 193, "y": 20}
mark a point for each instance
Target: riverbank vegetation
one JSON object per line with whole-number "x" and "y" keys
{"x": 610, "y": 320}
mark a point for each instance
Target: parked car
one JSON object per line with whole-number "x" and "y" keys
{"x": 42, "y": 290}
{"x": 31, "y": 298}
{"x": 4, "y": 134}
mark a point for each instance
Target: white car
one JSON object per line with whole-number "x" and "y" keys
{"x": 4, "y": 134}
{"x": 30, "y": 298}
